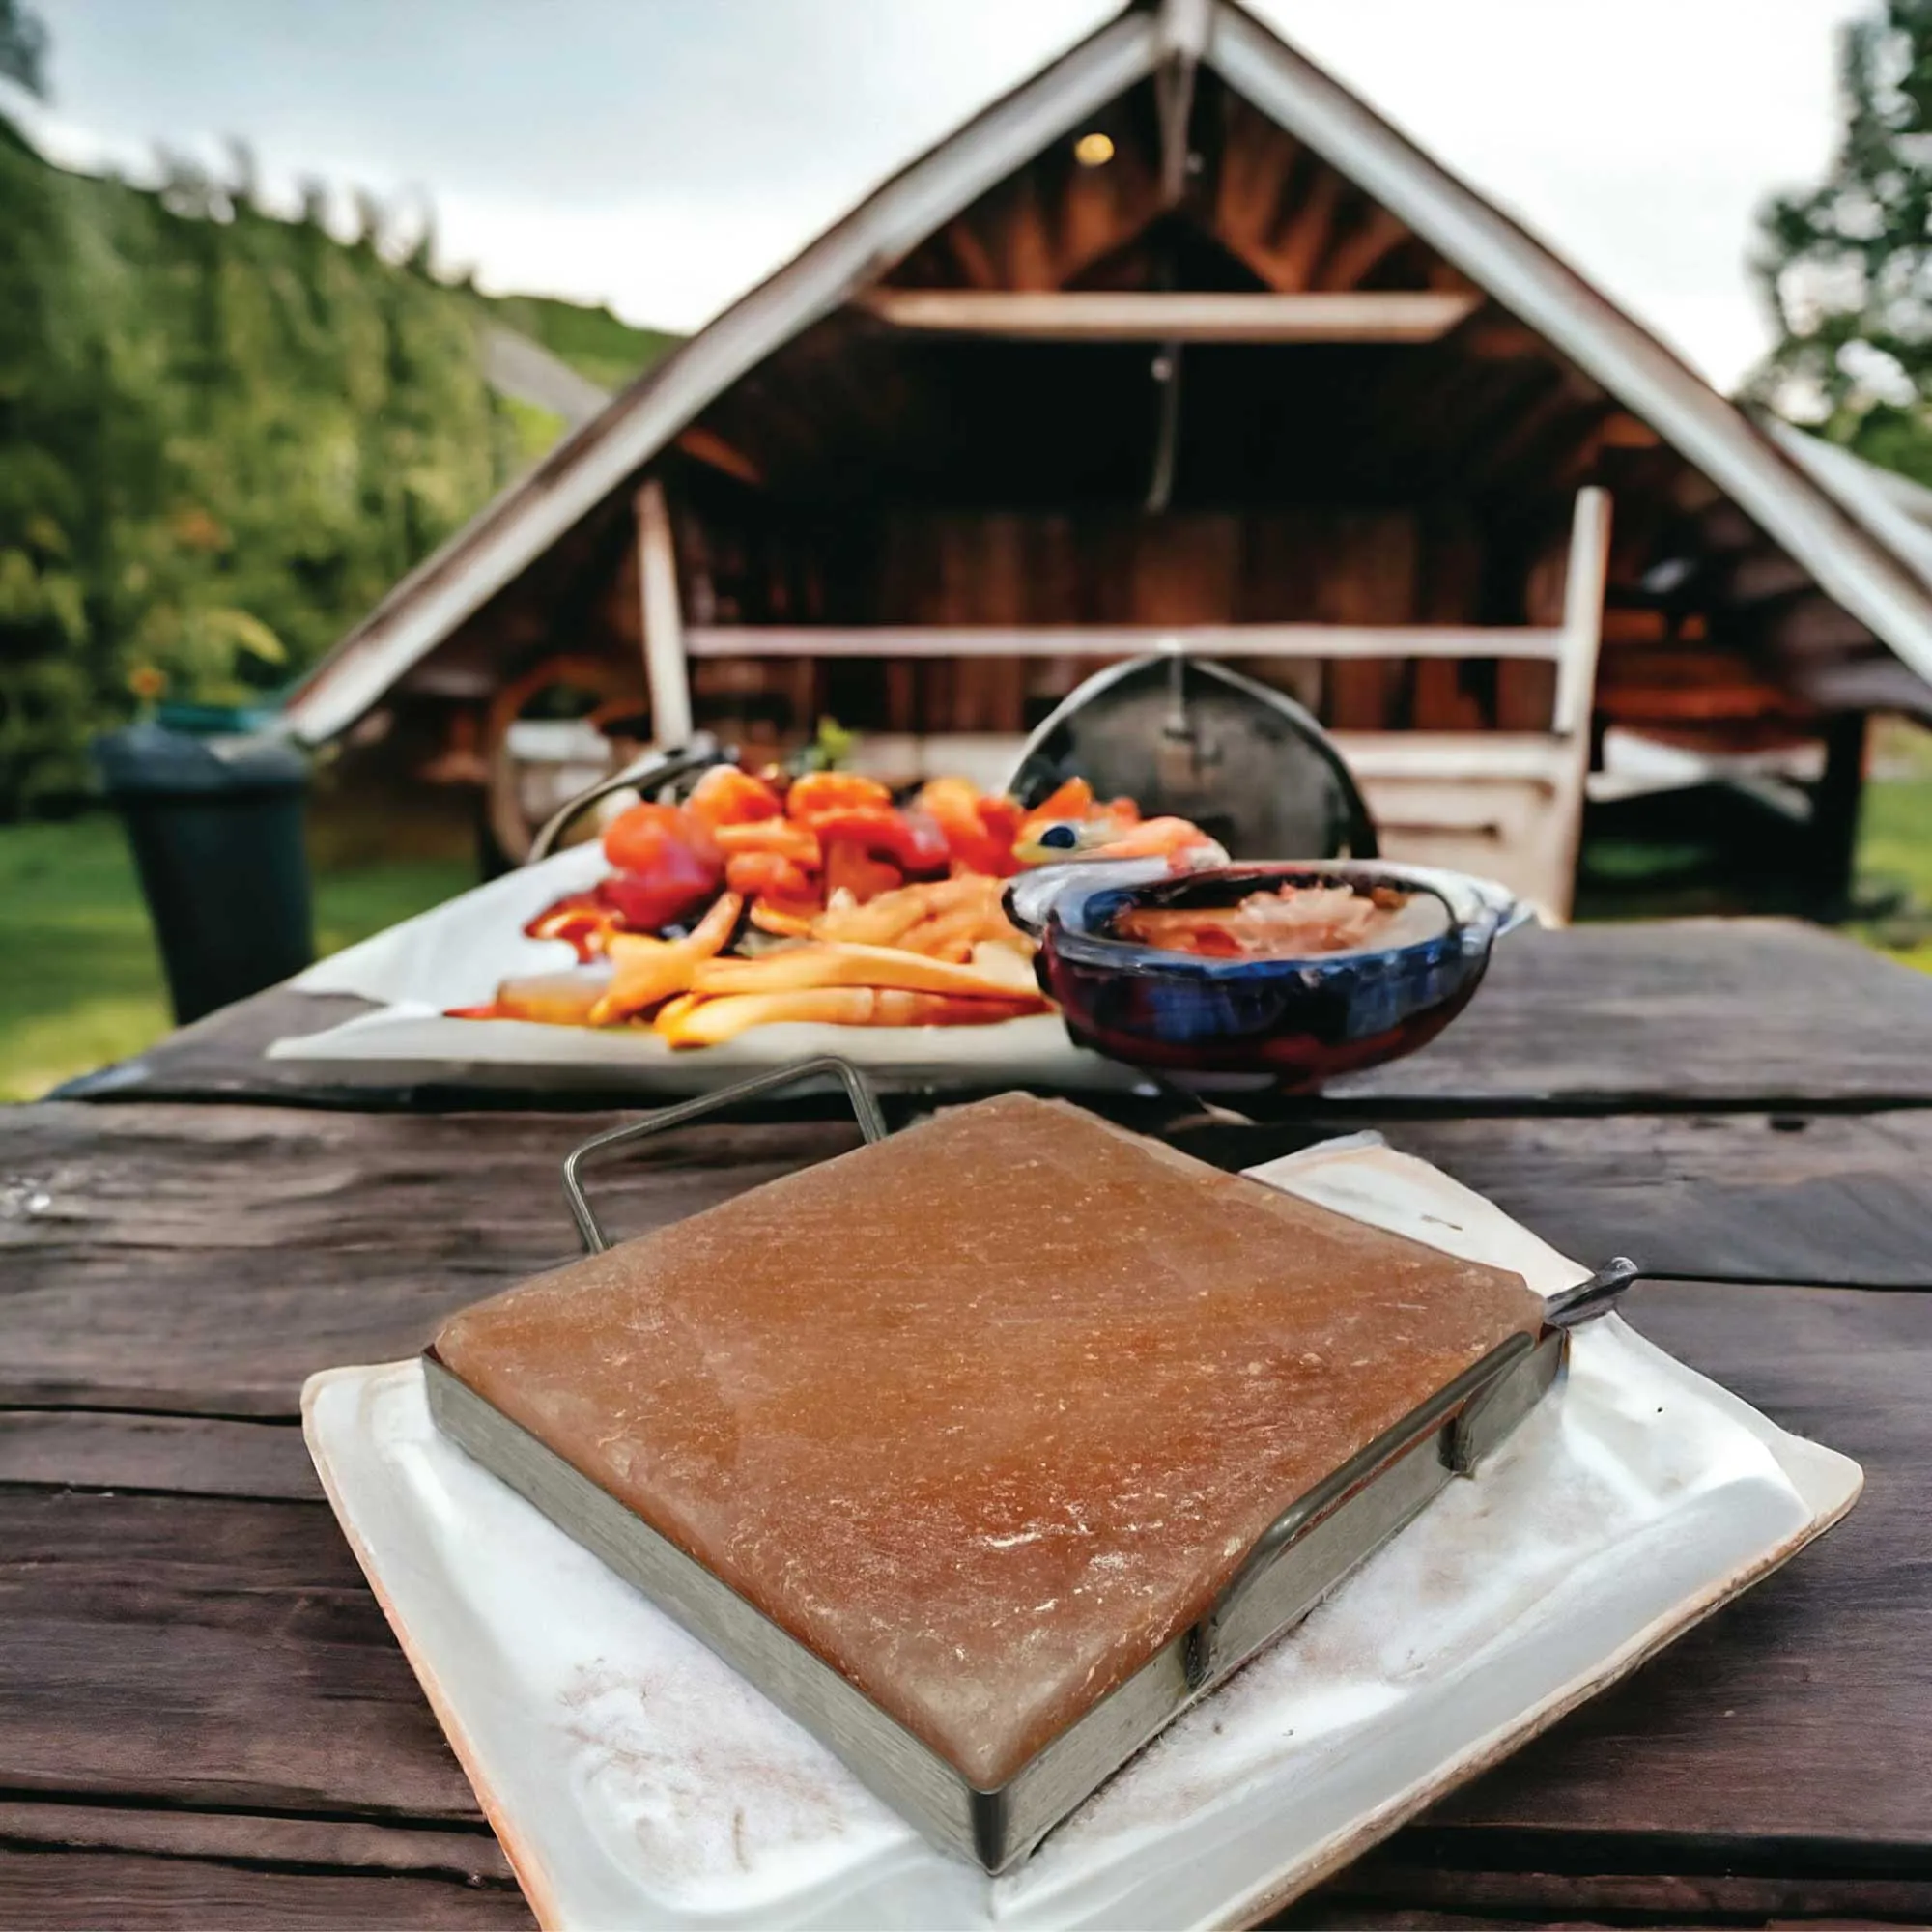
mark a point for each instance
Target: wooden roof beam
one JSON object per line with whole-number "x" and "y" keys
{"x": 1287, "y": 260}
{"x": 707, "y": 446}
{"x": 1160, "y": 316}
{"x": 1342, "y": 642}
{"x": 1357, "y": 256}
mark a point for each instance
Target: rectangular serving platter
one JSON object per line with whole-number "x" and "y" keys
{"x": 456, "y": 954}
{"x": 636, "y": 1779}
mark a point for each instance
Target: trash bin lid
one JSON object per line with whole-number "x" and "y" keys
{"x": 149, "y": 758}
{"x": 208, "y": 721}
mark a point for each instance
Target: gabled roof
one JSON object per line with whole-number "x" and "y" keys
{"x": 1857, "y": 552}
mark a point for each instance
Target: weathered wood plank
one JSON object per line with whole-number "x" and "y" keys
{"x": 471, "y": 1857}
{"x": 1820, "y": 1198}
{"x": 77, "y": 1891}
{"x": 198, "y": 1456}
{"x": 1396, "y": 1888}
{"x": 204, "y": 1260}
{"x": 1687, "y": 1014}
{"x": 223, "y": 1851}
{"x": 206, "y": 1653}
{"x": 218, "y": 1651}
{"x": 1681, "y": 1014}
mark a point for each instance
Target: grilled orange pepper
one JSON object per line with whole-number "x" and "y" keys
{"x": 1072, "y": 800}
{"x": 727, "y": 796}
{"x": 849, "y": 869}
{"x": 783, "y": 836}
{"x": 770, "y": 875}
{"x": 818, "y": 793}
{"x": 910, "y": 840}
{"x": 979, "y": 831}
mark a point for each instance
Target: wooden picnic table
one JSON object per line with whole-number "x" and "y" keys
{"x": 204, "y": 1718}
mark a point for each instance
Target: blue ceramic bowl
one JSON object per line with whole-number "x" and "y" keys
{"x": 1288, "y": 1023}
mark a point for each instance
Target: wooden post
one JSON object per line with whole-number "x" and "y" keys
{"x": 1582, "y": 614}
{"x": 1577, "y": 688}
{"x": 665, "y": 671}
{"x": 1835, "y": 814}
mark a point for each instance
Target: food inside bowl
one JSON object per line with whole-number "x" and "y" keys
{"x": 1279, "y": 972}
{"x": 1293, "y": 921}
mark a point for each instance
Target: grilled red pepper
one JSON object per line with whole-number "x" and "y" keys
{"x": 667, "y": 865}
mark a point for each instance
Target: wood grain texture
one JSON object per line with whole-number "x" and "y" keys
{"x": 1389, "y": 1888}
{"x": 1799, "y": 1712}
{"x": 210, "y": 1651}
{"x": 1828, "y": 1199}
{"x": 206, "y": 1653}
{"x": 471, "y": 1857}
{"x": 1686, "y": 1013}
{"x": 197, "y": 1456}
{"x": 77, "y": 1891}
{"x": 203, "y": 1682}
{"x": 1690, "y": 1014}
{"x": 204, "y": 1260}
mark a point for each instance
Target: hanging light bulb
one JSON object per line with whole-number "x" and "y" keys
{"x": 1094, "y": 150}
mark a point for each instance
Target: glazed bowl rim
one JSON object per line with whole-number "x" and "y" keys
{"x": 1479, "y": 910}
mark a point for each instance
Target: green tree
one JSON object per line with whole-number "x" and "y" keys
{"x": 23, "y": 47}
{"x": 224, "y": 432}
{"x": 1846, "y": 267}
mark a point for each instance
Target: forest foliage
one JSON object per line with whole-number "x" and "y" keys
{"x": 225, "y": 432}
{"x": 1846, "y": 265}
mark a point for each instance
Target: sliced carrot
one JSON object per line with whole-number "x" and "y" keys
{"x": 646, "y": 971}
{"x": 783, "y": 836}
{"x": 711, "y": 1022}
{"x": 783, "y": 921}
{"x": 1004, "y": 975}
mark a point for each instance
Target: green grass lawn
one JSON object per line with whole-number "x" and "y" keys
{"x": 1895, "y": 864}
{"x": 80, "y": 982}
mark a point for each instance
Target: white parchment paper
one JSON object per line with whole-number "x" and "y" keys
{"x": 458, "y": 953}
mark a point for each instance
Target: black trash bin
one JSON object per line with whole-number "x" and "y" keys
{"x": 216, "y": 829}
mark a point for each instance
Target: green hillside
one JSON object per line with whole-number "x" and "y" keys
{"x": 224, "y": 432}
{"x": 593, "y": 341}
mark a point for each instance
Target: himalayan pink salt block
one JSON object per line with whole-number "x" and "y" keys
{"x": 983, "y": 1416}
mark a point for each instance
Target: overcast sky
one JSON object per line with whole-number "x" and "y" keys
{"x": 663, "y": 154}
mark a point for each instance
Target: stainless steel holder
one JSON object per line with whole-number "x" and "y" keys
{"x": 1317, "y": 1541}
{"x": 827, "y": 1067}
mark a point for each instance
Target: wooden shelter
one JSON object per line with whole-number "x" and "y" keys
{"x": 1179, "y": 346}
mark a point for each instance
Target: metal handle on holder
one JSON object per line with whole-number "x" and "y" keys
{"x": 648, "y": 771}
{"x": 1571, "y": 1307}
{"x": 1447, "y": 1410}
{"x": 864, "y": 1109}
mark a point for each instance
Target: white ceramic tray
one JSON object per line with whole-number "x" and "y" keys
{"x": 457, "y": 954}
{"x": 636, "y": 1781}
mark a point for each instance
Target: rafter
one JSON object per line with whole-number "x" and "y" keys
{"x": 1358, "y": 255}
{"x": 1293, "y": 255}
{"x": 708, "y": 447}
